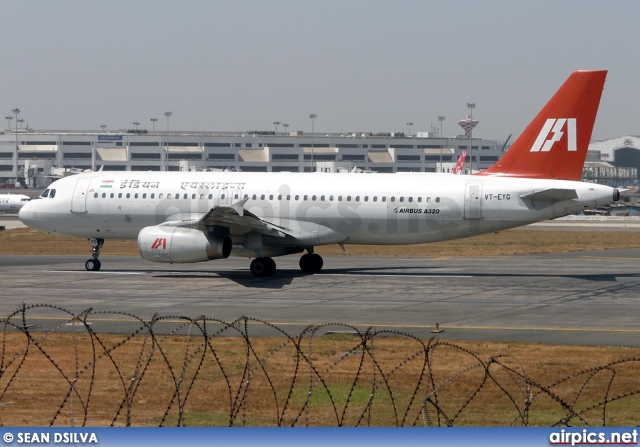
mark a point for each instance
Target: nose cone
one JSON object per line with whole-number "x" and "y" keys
{"x": 28, "y": 214}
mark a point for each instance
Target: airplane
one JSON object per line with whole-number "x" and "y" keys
{"x": 12, "y": 202}
{"x": 185, "y": 217}
{"x": 459, "y": 166}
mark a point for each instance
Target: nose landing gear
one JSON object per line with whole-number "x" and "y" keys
{"x": 94, "y": 263}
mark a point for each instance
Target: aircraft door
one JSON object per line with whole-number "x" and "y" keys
{"x": 473, "y": 201}
{"x": 79, "y": 199}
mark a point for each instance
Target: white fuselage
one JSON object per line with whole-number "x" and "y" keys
{"x": 317, "y": 208}
{"x": 13, "y": 202}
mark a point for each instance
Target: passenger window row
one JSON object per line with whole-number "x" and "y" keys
{"x": 305, "y": 197}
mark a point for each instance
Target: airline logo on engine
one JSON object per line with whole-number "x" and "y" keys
{"x": 160, "y": 242}
{"x": 552, "y": 132}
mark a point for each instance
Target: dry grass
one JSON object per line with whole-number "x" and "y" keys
{"x": 39, "y": 390}
{"x": 32, "y": 242}
{"x": 25, "y": 241}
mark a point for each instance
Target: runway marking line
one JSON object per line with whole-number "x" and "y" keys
{"x": 426, "y": 275}
{"x": 104, "y": 273}
{"x": 282, "y": 323}
{"x": 411, "y": 275}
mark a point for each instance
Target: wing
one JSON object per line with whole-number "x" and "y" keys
{"x": 229, "y": 215}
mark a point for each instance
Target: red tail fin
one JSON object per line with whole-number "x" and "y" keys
{"x": 459, "y": 166}
{"x": 554, "y": 145}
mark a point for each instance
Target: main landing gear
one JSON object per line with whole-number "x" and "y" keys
{"x": 309, "y": 263}
{"x": 261, "y": 267}
{"x": 94, "y": 264}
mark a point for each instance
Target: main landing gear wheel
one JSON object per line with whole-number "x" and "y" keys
{"x": 93, "y": 264}
{"x": 261, "y": 267}
{"x": 311, "y": 263}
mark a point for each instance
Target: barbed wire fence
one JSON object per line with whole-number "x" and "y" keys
{"x": 178, "y": 371}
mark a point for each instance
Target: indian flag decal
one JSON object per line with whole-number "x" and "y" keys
{"x": 106, "y": 184}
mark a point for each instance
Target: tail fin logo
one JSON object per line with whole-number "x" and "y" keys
{"x": 552, "y": 132}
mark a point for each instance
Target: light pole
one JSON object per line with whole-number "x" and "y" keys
{"x": 8, "y": 118}
{"x": 21, "y": 121}
{"x": 409, "y": 124}
{"x": 168, "y": 114}
{"x": 103, "y": 127}
{"x": 153, "y": 123}
{"x": 276, "y": 123}
{"x": 471, "y": 106}
{"x": 313, "y": 117}
{"x": 135, "y": 123}
{"x": 441, "y": 119}
{"x": 285, "y": 127}
{"x": 15, "y": 112}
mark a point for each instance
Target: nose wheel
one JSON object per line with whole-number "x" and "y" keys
{"x": 93, "y": 264}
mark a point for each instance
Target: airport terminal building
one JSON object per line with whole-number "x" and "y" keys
{"x": 35, "y": 158}
{"x": 614, "y": 162}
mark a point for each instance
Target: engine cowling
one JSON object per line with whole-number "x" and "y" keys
{"x": 181, "y": 245}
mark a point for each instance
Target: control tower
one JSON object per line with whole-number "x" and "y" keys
{"x": 468, "y": 124}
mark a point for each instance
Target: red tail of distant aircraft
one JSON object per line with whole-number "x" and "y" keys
{"x": 459, "y": 167}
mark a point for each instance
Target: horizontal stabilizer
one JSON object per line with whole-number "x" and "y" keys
{"x": 542, "y": 199}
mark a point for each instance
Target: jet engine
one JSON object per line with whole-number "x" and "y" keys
{"x": 181, "y": 245}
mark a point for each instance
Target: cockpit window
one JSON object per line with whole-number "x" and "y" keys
{"x": 52, "y": 194}
{"x": 25, "y": 200}
{"x": 45, "y": 194}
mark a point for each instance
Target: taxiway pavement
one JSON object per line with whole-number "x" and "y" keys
{"x": 571, "y": 298}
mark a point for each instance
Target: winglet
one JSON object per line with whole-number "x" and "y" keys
{"x": 238, "y": 207}
{"x": 555, "y": 144}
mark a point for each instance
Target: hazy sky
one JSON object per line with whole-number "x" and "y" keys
{"x": 360, "y": 65}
